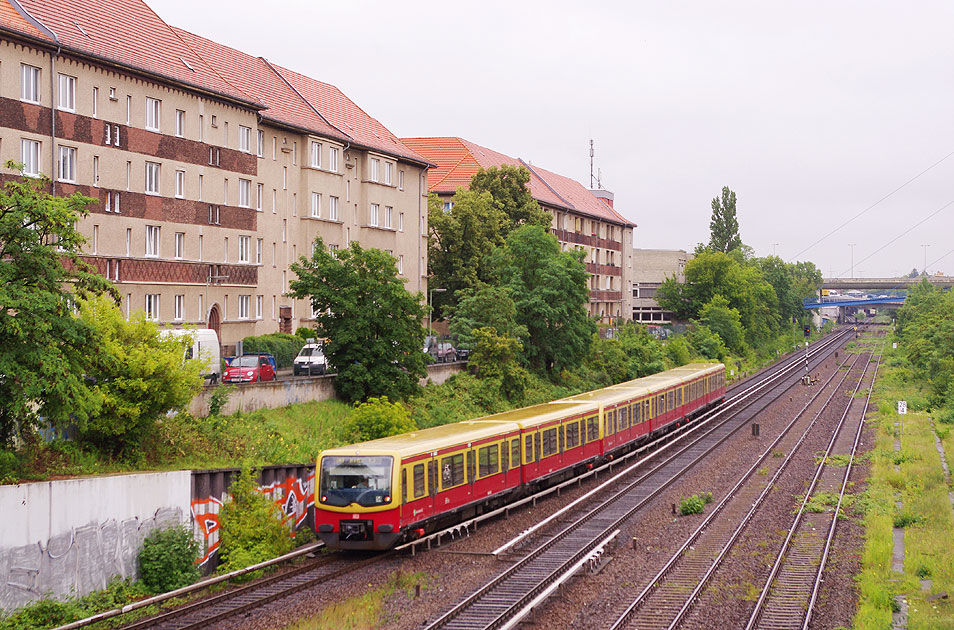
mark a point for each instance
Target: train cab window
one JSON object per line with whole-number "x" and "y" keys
{"x": 572, "y": 435}
{"x": 487, "y": 461}
{"x": 452, "y": 471}
{"x": 515, "y": 453}
{"x": 528, "y": 450}
{"x": 592, "y": 429}
{"x": 418, "y": 481}
{"x": 550, "y": 442}
{"x": 505, "y": 456}
{"x": 404, "y": 485}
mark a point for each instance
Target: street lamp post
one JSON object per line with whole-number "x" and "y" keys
{"x": 430, "y": 309}
{"x": 852, "y": 246}
{"x": 774, "y": 247}
{"x": 924, "y": 269}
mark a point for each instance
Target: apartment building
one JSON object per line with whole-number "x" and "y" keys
{"x": 213, "y": 169}
{"x": 651, "y": 268}
{"x": 581, "y": 218}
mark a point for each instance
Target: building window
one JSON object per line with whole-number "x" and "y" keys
{"x": 333, "y": 208}
{"x": 373, "y": 215}
{"x": 67, "y": 93}
{"x": 375, "y": 165}
{"x": 245, "y": 192}
{"x": 333, "y": 160}
{"x": 128, "y": 240}
{"x": 152, "y": 114}
{"x": 128, "y": 109}
{"x": 180, "y": 123}
{"x": 96, "y": 171}
{"x": 225, "y": 134}
{"x": 95, "y": 239}
{"x": 400, "y": 222}
{"x": 225, "y": 249}
{"x": 245, "y": 139}
{"x": 387, "y": 216}
{"x": 30, "y": 157}
{"x": 95, "y": 102}
{"x": 243, "y": 301}
{"x": 284, "y": 178}
{"x": 29, "y": 83}
{"x": 67, "y": 164}
{"x": 245, "y": 244}
{"x": 401, "y": 264}
{"x": 316, "y": 154}
{"x": 274, "y": 147}
{"x": 274, "y": 201}
{"x": 259, "y": 193}
{"x": 259, "y": 306}
{"x": 316, "y": 205}
{"x": 261, "y": 143}
{"x": 387, "y": 172}
{"x": 180, "y": 184}
{"x": 152, "y": 178}
{"x": 284, "y": 229}
{"x": 213, "y": 215}
{"x": 180, "y": 244}
{"x": 401, "y": 180}
{"x": 152, "y": 306}
{"x": 225, "y": 191}
{"x": 179, "y": 308}
{"x": 152, "y": 240}
{"x": 259, "y": 246}
{"x": 116, "y": 202}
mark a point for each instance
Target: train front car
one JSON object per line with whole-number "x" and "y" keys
{"x": 355, "y": 504}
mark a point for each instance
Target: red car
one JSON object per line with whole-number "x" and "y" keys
{"x": 249, "y": 368}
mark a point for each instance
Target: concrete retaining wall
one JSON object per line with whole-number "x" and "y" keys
{"x": 72, "y": 536}
{"x": 274, "y": 394}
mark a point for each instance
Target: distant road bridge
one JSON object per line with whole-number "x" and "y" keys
{"x": 868, "y": 285}
{"x": 840, "y": 300}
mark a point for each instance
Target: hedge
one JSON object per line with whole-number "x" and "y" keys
{"x": 283, "y": 346}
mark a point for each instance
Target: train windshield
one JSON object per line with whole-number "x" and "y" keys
{"x": 361, "y": 479}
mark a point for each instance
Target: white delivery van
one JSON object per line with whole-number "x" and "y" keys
{"x": 311, "y": 360}
{"x": 205, "y": 346}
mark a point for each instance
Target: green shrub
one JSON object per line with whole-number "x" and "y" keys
{"x": 9, "y": 466}
{"x": 905, "y": 518}
{"x": 306, "y": 333}
{"x": 219, "y": 398}
{"x": 946, "y": 416}
{"x": 167, "y": 559}
{"x": 252, "y": 527}
{"x": 380, "y": 418}
{"x": 282, "y": 346}
{"x": 695, "y": 504}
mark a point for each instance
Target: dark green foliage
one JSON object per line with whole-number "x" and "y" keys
{"x": 306, "y": 333}
{"x": 373, "y": 324}
{"x": 906, "y": 519}
{"x": 219, "y": 398}
{"x": 167, "y": 559}
{"x": 724, "y": 321}
{"x": 378, "y": 418}
{"x": 487, "y": 307}
{"x": 645, "y": 352}
{"x": 549, "y": 288}
{"x": 252, "y": 527}
{"x": 696, "y": 504}
{"x": 678, "y": 351}
{"x": 724, "y": 226}
{"x": 926, "y": 340}
{"x": 48, "y": 613}
{"x": 282, "y": 346}
{"x": 509, "y": 187}
{"x": 44, "y": 349}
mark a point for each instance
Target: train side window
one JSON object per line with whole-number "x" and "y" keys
{"x": 549, "y": 442}
{"x": 536, "y": 445}
{"x": 452, "y": 471}
{"x": 404, "y": 485}
{"x": 515, "y": 453}
{"x": 671, "y": 400}
{"x": 623, "y": 418}
{"x": 572, "y": 435}
{"x": 487, "y": 461}
{"x": 504, "y": 456}
{"x": 592, "y": 429}
{"x": 418, "y": 481}
{"x": 528, "y": 450}
{"x": 432, "y": 477}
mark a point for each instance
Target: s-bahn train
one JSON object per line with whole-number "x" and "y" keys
{"x": 378, "y": 494}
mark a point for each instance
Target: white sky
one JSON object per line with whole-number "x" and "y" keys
{"x": 811, "y": 111}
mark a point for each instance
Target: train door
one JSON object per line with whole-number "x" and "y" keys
{"x": 530, "y": 465}
{"x": 471, "y": 473}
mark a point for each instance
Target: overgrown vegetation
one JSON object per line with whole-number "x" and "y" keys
{"x": 167, "y": 559}
{"x": 696, "y": 504}
{"x": 49, "y": 613}
{"x": 379, "y": 418}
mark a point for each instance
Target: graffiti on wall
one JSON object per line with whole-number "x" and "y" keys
{"x": 293, "y": 496}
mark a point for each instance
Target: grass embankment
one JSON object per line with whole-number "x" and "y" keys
{"x": 926, "y": 514}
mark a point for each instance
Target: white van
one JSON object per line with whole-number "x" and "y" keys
{"x": 205, "y": 346}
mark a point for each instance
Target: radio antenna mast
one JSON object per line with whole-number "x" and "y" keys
{"x": 591, "y": 163}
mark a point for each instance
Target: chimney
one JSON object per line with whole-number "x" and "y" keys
{"x": 605, "y": 195}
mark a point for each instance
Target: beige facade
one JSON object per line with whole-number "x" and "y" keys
{"x": 202, "y": 203}
{"x": 651, "y": 268}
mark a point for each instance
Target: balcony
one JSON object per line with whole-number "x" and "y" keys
{"x": 597, "y": 295}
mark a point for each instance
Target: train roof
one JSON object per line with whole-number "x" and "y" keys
{"x": 545, "y": 412}
{"x": 427, "y": 440}
{"x": 646, "y": 384}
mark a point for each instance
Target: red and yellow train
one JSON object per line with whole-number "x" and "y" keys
{"x": 377, "y": 494}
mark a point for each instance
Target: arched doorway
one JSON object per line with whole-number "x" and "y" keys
{"x": 215, "y": 321}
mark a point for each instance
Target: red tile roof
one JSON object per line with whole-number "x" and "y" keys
{"x": 458, "y": 160}
{"x": 11, "y": 19}
{"x": 130, "y": 33}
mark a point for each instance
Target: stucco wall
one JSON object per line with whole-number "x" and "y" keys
{"x": 74, "y": 535}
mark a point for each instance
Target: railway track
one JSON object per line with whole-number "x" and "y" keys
{"x": 797, "y": 572}
{"x": 508, "y": 597}
{"x": 669, "y": 596}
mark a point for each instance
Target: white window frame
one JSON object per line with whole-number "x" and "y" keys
{"x": 30, "y": 83}
{"x": 245, "y": 193}
{"x": 66, "y": 93}
{"x": 95, "y": 102}
{"x": 244, "y": 248}
{"x": 315, "y": 154}
{"x": 152, "y": 306}
{"x": 261, "y": 142}
{"x": 373, "y": 213}
{"x": 178, "y": 309}
{"x": 180, "y": 123}
{"x": 180, "y": 244}
{"x": 375, "y": 169}
{"x": 245, "y": 139}
{"x": 400, "y": 180}
{"x": 180, "y": 184}
{"x": 31, "y": 153}
{"x": 259, "y": 250}
{"x": 316, "y": 205}
{"x": 388, "y": 211}
{"x": 333, "y": 208}
{"x": 243, "y": 303}
{"x": 333, "y": 160}
{"x": 388, "y": 170}
{"x": 153, "y": 112}
{"x": 152, "y": 241}
{"x": 259, "y": 194}
{"x": 259, "y": 306}
{"x": 153, "y": 174}
{"x": 400, "y": 221}
{"x": 66, "y": 164}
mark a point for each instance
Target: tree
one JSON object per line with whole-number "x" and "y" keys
{"x": 44, "y": 349}
{"x": 508, "y": 185}
{"x": 488, "y": 307}
{"x": 379, "y": 418}
{"x": 373, "y": 323}
{"x": 461, "y": 240}
{"x": 644, "y": 351}
{"x": 495, "y": 359}
{"x": 135, "y": 376}
{"x": 724, "y": 321}
{"x": 549, "y": 291}
{"x": 724, "y": 226}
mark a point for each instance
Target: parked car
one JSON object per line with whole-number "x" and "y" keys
{"x": 440, "y": 351}
{"x": 250, "y": 368}
{"x": 204, "y": 346}
{"x": 311, "y": 360}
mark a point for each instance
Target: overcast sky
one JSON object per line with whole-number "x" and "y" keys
{"x": 810, "y": 111}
